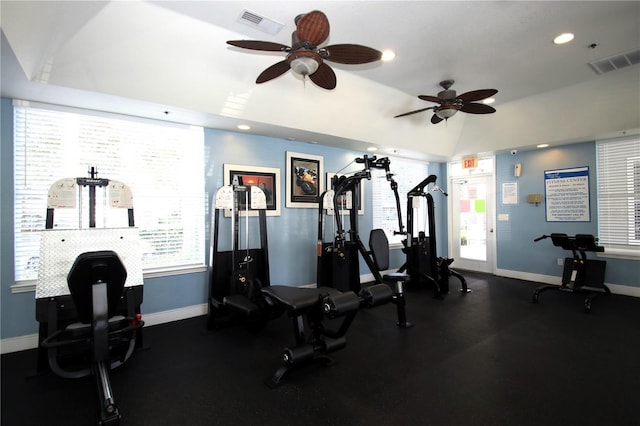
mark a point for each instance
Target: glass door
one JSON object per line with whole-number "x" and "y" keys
{"x": 472, "y": 239}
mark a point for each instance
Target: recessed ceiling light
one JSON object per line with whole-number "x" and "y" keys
{"x": 543, "y": 145}
{"x": 563, "y": 38}
{"x": 388, "y": 55}
{"x": 243, "y": 126}
{"x": 489, "y": 101}
{"x": 372, "y": 149}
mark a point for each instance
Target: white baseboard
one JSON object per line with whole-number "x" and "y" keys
{"x": 20, "y": 343}
{"x": 173, "y": 314}
{"x": 30, "y": 341}
{"x": 623, "y": 290}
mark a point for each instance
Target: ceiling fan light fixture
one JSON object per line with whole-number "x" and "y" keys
{"x": 304, "y": 65}
{"x": 445, "y": 112}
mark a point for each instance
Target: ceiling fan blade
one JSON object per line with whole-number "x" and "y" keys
{"x": 275, "y": 70}
{"x": 324, "y": 77}
{"x": 259, "y": 45}
{"x": 477, "y": 95}
{"x": 435, "y": 119}
{"x": 313, "y": 27}
{"x": 431, "y": 99}
{"x": 352, "y": 54}
{"x": 473, "y": 108}
{"x": 413, "y": 112}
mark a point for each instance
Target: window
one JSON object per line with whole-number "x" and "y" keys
{"x": 618, "y": 169}
{"x": 162, "y": 163}
{"x": 407, "y": 175}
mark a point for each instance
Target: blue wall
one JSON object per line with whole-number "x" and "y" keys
{"x": 516, "y": 250}
{"x": 292, "y": 236}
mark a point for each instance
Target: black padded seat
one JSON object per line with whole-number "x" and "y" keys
{"x": 78, "y": 329}
{"x": 379, "y": 245}
{"x": 297, "y": 298}
{"x": 396, "y": 276}
{"x": 241, "y": 303}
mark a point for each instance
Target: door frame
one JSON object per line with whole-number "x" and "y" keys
{"x": 488, "y": 266}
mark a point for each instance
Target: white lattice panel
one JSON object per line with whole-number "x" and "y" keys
{"x": 59, "y": 248}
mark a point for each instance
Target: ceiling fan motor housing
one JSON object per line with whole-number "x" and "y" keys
{"x": 448, "y": 94}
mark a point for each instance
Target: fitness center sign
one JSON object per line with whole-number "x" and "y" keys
{"x": 567, "y": 195}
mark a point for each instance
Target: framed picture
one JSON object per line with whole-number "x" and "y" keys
{"x": 304, "y": 182}
{"x": 359, "y": 188}
{"x": 265, "y": 178}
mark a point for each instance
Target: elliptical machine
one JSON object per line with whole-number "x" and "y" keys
{"x": 423, "y": 264}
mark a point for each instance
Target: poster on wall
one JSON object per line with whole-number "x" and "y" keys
{"x": 510, "y": 193}
{"x": 304, "y": 182}
{"x": 567, "y": 195}
{"x": 265, "y": 178}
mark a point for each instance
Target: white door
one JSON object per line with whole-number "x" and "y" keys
{"x": 471, "y": 230}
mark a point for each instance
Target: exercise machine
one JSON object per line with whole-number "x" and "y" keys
{"x": 310, "y": 310}
{"x": 579, "y": 275}
{"x": 423, "y": 264}
{"x": 236, "y": 276}
{"x": 338, "y": 263}
{"x": 241, "y": 292}
{"x": 89, "y": 290}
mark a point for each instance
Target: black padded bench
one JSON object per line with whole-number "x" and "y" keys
{"x": 311, "y": 306}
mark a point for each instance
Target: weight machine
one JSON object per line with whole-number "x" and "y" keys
{"x": 89, "y": 290}
{"x": 240, "y": 290}
{"x": 236, "y": 276}
{"x": 422, "y": 262}
{"x": 338, "y": 261}
{"x": 579, "y": 275}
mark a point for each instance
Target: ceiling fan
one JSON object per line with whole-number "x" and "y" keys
{"x": 449, "y": 103}
{"x": 304, "y": 56}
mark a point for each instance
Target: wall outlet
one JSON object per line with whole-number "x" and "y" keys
{"x": 560, "y": 261}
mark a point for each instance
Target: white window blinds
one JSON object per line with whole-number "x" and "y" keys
{"x": 163, "y": 164}
{"x": 618, "y": 169}
{"x": 407, "y": 174}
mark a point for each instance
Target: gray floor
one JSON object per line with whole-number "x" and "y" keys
{"x": 491, "y": 357}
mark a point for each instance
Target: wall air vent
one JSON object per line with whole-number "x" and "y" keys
{"x": 258, "y": 22}
{"x": 616, "y": 62}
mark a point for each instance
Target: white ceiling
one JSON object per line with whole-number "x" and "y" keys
{"x": 145, "y": 58}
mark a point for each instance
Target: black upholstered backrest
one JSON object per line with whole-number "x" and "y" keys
{"x": 379, "y": 245}
{"x": 90, "y": 268}
{"x": 585, "y": 242}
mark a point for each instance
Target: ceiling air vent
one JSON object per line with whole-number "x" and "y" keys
{"x": 616, "y": 62}
{"x": 260, "y": 22}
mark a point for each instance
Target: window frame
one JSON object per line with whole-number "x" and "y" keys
{"x": 193, "y": 222}
{"x": 407, "y": 173}
{"x": 612, "y": 156}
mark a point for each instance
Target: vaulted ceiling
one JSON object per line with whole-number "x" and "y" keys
{"x": 170, "y": 61}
